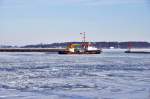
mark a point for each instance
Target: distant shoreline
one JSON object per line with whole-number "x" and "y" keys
{"x": 121, "y": 45}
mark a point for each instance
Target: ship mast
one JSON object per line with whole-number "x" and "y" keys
{"x": 84, "y": 40}
{"x": 84, "y": 37}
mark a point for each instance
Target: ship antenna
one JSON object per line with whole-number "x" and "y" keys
{"x": 84, "y": 37}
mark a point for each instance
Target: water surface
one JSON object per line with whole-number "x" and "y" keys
{"x": 110, "y": 75}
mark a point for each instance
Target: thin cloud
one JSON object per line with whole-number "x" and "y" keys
{"x": 113, "y": 2}
{"x": 96, "y": 2}
{"x": 68, "y": 2}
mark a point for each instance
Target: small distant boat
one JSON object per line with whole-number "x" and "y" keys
{"x": 138, "y": 51}
{"x": 83, "y": 48}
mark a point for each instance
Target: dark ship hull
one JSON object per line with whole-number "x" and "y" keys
{"x": 140, "y": 52}
{"x": 85, "y": 52}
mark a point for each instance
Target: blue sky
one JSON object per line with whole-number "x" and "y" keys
{"x": 47, "y": 21}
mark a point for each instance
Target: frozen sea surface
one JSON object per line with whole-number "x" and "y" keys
{"x": 110, "y": 75}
